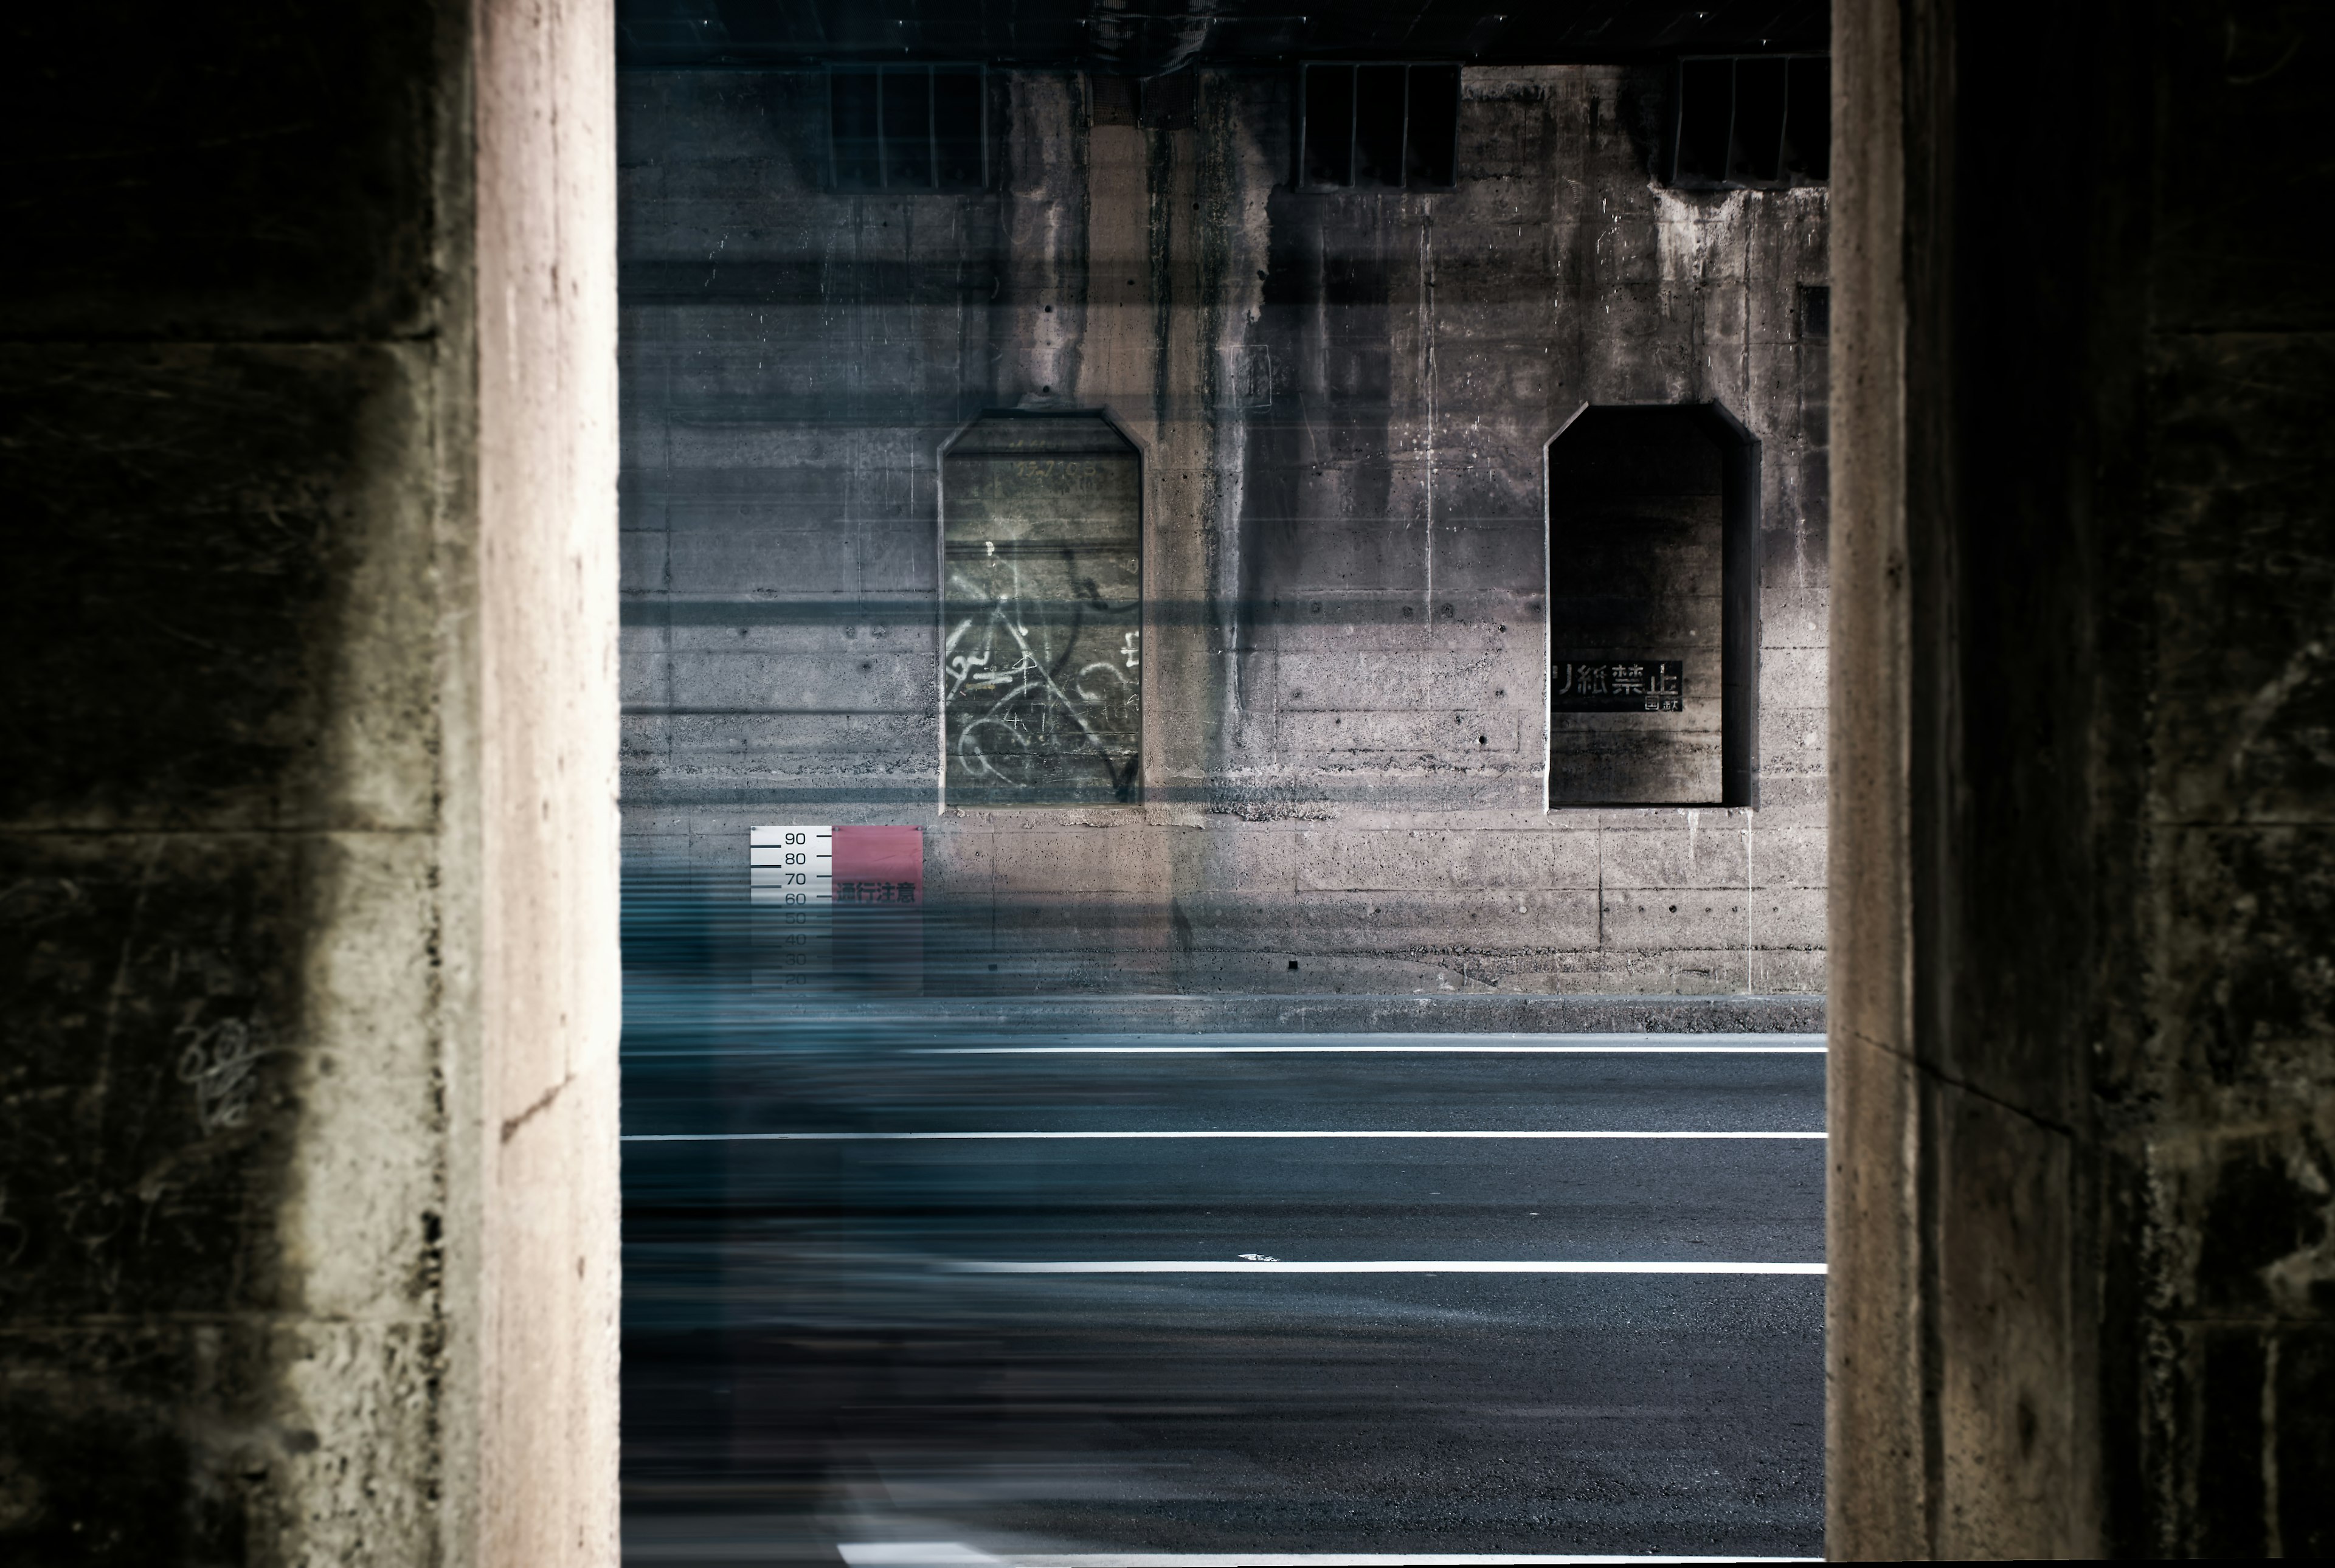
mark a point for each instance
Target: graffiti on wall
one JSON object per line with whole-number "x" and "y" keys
{"x": 1041, "y": 653}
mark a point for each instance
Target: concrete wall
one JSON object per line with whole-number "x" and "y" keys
{"x": 2083, "y": 1046}
{"x": 1342, "y": 402}
{"x": 307, "y": 1207}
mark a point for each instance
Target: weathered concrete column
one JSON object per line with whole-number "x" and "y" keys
{"x": 2083, "y": 811}
{"x": 307, "y": 928}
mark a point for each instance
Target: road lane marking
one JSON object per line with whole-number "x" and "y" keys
{"x": 1327, "y": 1559}
{"x": 1373, "y": 1266}
{"x": 1616, "y": 1047}
{"x": 1007, "y": 1137}
{"x": 936, "y": 1554}
{"x": 1319, "y": 1559}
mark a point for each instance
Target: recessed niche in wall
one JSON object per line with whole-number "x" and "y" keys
{"x": 1653, "y": 608}
{"x": 1041, "y": 635}
{"x": 1378, "y": 127}
{"x": 1813, "y": 306}
{"x": 906, "y": 128}
{"x": 1739, "y": 121}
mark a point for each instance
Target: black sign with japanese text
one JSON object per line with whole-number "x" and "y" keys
{"x": 1617, "y": 686}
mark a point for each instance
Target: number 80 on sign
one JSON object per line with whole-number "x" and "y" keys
{"x": 792, "y": 865}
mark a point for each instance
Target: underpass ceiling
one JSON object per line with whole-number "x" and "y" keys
{"x": 1148, "y": 39}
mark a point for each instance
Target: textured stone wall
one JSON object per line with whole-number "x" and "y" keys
{"x": 2083, "y": 1011}
{"x": 1342, "y": 402}
{"x": 307, "y": 814}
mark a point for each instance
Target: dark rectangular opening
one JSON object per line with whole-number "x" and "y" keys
{"x": 1329, "y": 112}
{"x": 1653, "y": 608}
{"x": 1807, "y": 119}
{"x": 907, "y": 130}
{"x": 957, "y": 142}
{"x": 1751, "y": 120}
{"x": 1755, "y": 153}
{"x": 1815, "y": 312}
{"x": 1706, "y": 121}
{"x": 1041, "y": 669}
{"x": 1378, "y": 126}
{"x": 1739, "y": 504}
{"x": 853, "y": 125}
{"x": 1433, "y": 144}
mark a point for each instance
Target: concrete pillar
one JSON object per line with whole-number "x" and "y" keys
{"x": 2083, "y": 1015}
{"x": 307, "y": 926}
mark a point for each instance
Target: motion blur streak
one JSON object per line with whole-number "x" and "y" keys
{"x": 915, "y": 1279}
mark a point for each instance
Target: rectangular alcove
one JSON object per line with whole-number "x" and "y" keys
{"x": 1041, "y": 605}
{"x": 907, "y": 128}
{"x": 1652, "y": 608}
{"x": 1381, "y": 126}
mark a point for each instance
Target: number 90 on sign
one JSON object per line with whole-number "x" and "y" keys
{"x": 791, "y": 866}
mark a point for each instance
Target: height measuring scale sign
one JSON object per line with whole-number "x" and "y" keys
{"x": 803, "y": 880}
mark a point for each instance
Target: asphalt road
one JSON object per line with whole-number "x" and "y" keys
{"x": 891, "y": 1300}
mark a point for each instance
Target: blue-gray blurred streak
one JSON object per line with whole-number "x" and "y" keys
{"x": 807, "y": 1362}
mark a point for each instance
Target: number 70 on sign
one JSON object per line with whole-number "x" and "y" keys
{"x": 792, "y": 865}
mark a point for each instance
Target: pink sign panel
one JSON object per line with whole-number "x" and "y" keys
{"x": 880, "y": 865}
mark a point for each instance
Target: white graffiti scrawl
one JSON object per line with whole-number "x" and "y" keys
{"x": 1041, "y": 657}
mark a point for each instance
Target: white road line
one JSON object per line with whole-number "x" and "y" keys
{"x": 1007, "y": 1137}
{"x": 1320, "y": 1559}
{"x": 933, "y": 1553}
{"x": 1431, "y": 1266}
{"x": 1612, "y": 1048}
